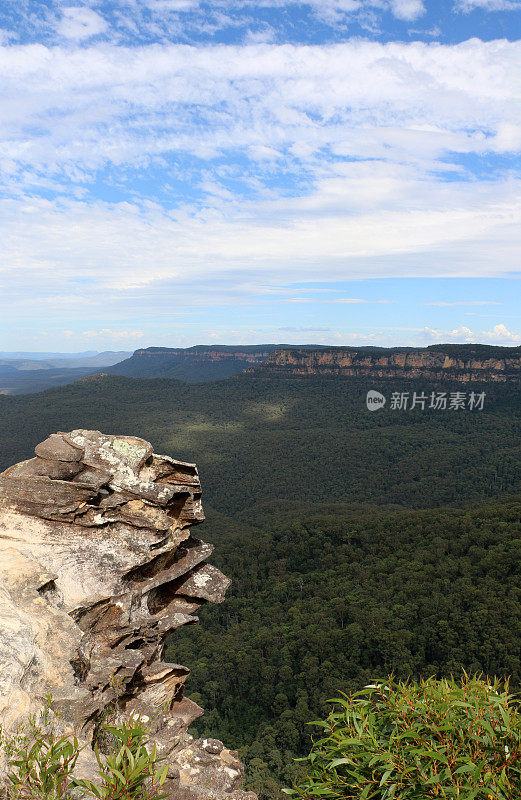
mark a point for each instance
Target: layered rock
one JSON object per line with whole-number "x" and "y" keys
{"x": 467, "y": 363}
{"x": 97, "y": 566}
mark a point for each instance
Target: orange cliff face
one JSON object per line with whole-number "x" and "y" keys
{"x": 465, "y": 365}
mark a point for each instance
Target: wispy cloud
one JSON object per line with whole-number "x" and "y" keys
{"x": 489, "y": 5}
{"x": 171, "y": 177}
{"x": 347, "y": 300}
{"x": 78, "y": 23}
{"x": 499, "y": 334}
{"x": 445, "y": 304}
{"x": 294, "y": 329}
{"x": 91, "y": 109}
{"x": 146, "y": 21}
{"x": 107, "y": 333}
{"x": 257, "y": 160}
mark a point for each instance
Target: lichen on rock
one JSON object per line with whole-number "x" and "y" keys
{"x": 97, "y": 567}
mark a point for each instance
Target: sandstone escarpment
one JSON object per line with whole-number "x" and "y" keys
{"x": 97, "y": 566}
{"x": 464, "y": 365}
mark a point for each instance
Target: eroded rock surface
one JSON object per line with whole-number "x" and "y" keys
{"x": 476, "y": 363}
{"x": 97, "y": 567}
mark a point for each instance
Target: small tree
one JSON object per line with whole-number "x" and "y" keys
{"x": 43, "y": 770}
{"x": 130, "y": 771}
{"x": 416, "y": 741}
{"x": 42, "y": 765}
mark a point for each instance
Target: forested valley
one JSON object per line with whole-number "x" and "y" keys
{"x": 358, "y": 544}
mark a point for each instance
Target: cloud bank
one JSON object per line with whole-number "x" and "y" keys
{"x": 142, "y": 169}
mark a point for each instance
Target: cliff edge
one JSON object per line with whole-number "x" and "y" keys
{"x": 97, "y": 567}
{"x": 460, "y": 363}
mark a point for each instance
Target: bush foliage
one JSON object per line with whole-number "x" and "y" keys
{"x": 41, "y": 765}
{"x": 416, "y": 741}
{"x": 130, "y": 771}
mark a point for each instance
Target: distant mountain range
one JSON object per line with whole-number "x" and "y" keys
{"x": 24, "y": 373}
{"x": 197, "y": 364}
{"x": 33, "y": 372}
{"x": 455, "y": 362}
{"x": 41, "y": 355}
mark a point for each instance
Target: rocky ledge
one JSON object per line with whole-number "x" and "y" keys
{"x": 97, "y": 567}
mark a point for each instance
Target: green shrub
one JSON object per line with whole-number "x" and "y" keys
{"x": 42, "y": 771}
{"x": 41, "y": 765}
{"x": 130, "y": 772}
{"x": 416, "y": 741}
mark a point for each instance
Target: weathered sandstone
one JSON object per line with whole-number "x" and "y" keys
{"x": 97, "y": 566}
{"x": 431, "y": 363}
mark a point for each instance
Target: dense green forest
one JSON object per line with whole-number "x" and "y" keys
{"x": 336, "y": 596}
{"x": 358, "y": 543}
{"x": 263, "y": 443}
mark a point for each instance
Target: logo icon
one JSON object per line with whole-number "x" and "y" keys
{"x": 375, "y": 400}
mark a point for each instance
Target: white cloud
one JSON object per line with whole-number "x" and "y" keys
{"x": 328, "y": 6}
{"x": 6, "y": 36}
{"x": 172, "y": 5}
{"x": 259, "y": 152}
{"x": 489, "y": 5}
{"x": 407, "y": 9}
{"x": 507, "y": 138}
{"x": 464, "y": 303}
{"x": 367, "y": 131}
{"x": 79, "y": 23}
{"x": 501, "y": 335}
{"x": 294, "y": 329}
{"x": 186, "y": 20}
{"x": 461, "y": 335}
{"x": 347, "y": 300}
{"x": 330, "y": 10}
{"x": 464, "y": 232}
{"x": 335, "y": 9}
{"x": 395, "y": 102}
{"x": 107, "y": 333}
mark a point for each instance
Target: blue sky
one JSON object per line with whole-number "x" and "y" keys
{"x": 175, "y": 172}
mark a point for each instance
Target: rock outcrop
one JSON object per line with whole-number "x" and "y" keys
{"x": 463, "y": 363}
{"x": 97, "y": 567}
